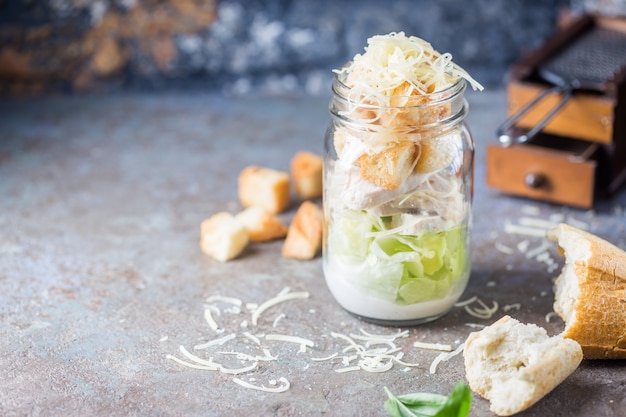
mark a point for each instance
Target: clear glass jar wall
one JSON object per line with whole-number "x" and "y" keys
{"x": 398, "y": 184}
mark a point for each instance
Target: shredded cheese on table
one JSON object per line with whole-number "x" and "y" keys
{"x": 375, "y": 360}
{"x": 209, "y": 363}
{"x": 236, "y": 371}
{"x": 543, "y": 247}
{"x": 208, "y": 316}
{"x": 475, "y": 325}
{"x": 508, "y": 307}
{"x": 220, "y": 298}
{"x": 482, "y": 313}
{"x": 326, "y": 358}
{"x": 433, "y": 346}
{"x": 537, "y": 222}
{"x": 304, "y": 343}
{"x": 280, "y": 298}
{"x": 190, "y": 365}
{"x": 280, "y": 388}
{"x": 215, "y": 342}
{"x": 503, "y": 248}
{"x": 512, "y": 228}
{"x": 466, "y": 302}
{"x": 252, "y": 337}
{"x": 444, "y": 357}
{"x": 550, "y": 315}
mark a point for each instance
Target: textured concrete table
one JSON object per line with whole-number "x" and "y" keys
{"x": 101, "y": 275}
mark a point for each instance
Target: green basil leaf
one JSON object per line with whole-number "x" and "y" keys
{"x": 459, "y": 402}
{"x": 395, "y": 407}
{"x": 423, "y": 398}
{"x": 423, "y": 404}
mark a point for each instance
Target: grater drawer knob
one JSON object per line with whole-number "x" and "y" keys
{"x": 536, "y": 181}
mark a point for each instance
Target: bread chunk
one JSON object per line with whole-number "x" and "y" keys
{"x": 261, "y": 225}
{"x": 590, "y": 292}
{"x": 390, "y": 167}
{"x": 264, "y": 187}
{"x": 306, "y": 172}
{"x": 514, "y": 365}
{"x": 223, "y": 237}
{"x": 438, "y": 152}
{"x": 304, "y": 237}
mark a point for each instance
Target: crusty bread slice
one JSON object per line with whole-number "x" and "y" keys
{"x": 265, "y": 187}
{"x": 223, "y": 237}
{"x": 261, "y": 225}
{"x": 514, "y": 365}
{"x": 590, "y": 292}
{"x": 306, "y": 172}
{"x": 304, "y": 237}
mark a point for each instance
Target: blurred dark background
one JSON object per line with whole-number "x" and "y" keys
{"x": 243, "y": 46}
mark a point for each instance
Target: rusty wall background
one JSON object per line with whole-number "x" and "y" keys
{"x": 239, "y": 46}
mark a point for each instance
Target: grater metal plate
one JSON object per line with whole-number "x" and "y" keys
{"x": 589, "y": 62}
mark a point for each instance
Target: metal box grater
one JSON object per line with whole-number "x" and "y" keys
{"x": 578, "y": 153}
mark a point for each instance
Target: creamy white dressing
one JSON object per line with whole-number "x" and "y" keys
{"x": 357, "y": 302}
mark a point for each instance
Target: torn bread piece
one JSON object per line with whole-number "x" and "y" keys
{"x": 306, "y": 172}
{"x": 223, "y": 237}
{"x": 590, "y": 292}
{"x": 304, "y": 237}
{"x": 261, "y": 225}
{"x": 264, "y": 187}
{"x": 514, "y": 365}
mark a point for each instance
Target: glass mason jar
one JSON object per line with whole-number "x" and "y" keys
{"x": 398, "y": 185}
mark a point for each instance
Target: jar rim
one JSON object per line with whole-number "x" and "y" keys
{"x": 432, "y": 99}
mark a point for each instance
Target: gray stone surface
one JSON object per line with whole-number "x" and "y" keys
{"x": 101, "y": 275}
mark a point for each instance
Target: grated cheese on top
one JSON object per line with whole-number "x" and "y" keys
{"x": 391, "y": 61}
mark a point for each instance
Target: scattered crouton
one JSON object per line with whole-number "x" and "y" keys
{"x": 264, "y": 187}
{"x": 304, "y": 237}
{"x": 306, "y": 172}
{"x": 223, "y": 237}
{"x": 261, "y": 225}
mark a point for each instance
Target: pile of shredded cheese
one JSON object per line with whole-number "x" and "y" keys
{"x": 400, "y": 65}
